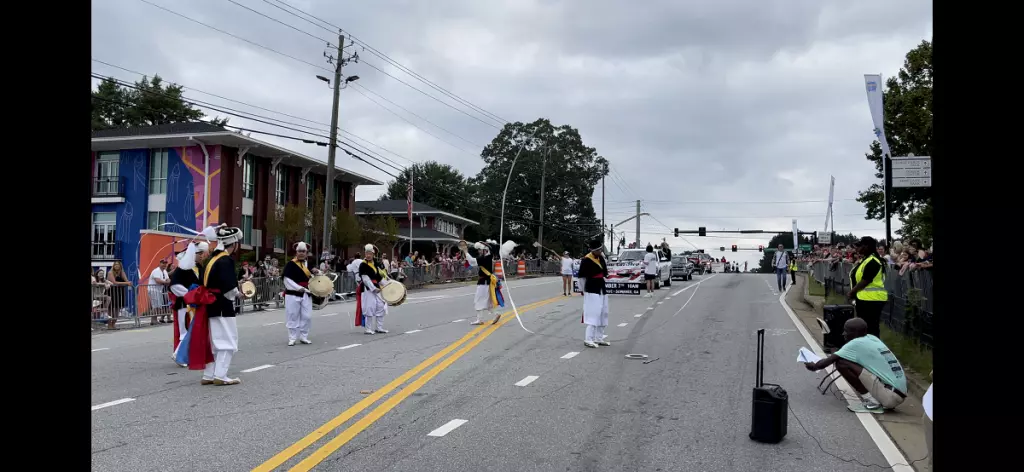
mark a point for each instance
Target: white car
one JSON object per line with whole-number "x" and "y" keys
{"x": 628, "y": 267}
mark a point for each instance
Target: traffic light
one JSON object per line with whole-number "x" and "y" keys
{"x": 722, "y": 249}
{"x": 677, "y": 232}
{"x": 702, "y": 231}
{"x": 760, "y": 249}
{"x": 733, "y": 248}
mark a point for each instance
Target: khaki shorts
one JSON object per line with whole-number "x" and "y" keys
{"x": 888, "y": 398}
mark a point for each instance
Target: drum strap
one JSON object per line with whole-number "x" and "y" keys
{"x": 302, "y": 266}
{"x": 209, "y": 267}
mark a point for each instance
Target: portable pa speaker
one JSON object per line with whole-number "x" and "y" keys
{"x": 835, "y": 317}
{"x": 770, "y": 411}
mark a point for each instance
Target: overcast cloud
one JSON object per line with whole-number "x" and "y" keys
{"x": 709, "y": 101}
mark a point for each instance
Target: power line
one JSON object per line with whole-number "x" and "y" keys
{"x": 417, "y": 115}
{"x": 394, "y": 63}
{"x": 410, "y": 122}
{"x": 329, "y": 44}
{"x": 753, "y": 202}
{"x": 275, "y": 51}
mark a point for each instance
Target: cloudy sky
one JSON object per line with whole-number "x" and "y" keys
{"x": 725, "y": 114}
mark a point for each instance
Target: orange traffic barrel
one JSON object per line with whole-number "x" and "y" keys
{"x": 521, "y": 269}
{"x": 498, "y": 272}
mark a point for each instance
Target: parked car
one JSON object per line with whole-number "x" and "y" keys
{"x": 629, "y": 267}
{"x": 682, "y": 268}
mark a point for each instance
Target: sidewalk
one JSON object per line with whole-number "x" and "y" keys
{"x": 902, "y": 424}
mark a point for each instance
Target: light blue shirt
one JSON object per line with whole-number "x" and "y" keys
{"x": 872, "y": 354}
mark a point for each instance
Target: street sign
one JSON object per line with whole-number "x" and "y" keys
{"x": 911, "y": 171}
{"x": 805, "y": 247}
{"x": 825, "y": 237}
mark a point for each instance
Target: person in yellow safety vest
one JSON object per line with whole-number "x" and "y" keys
{"x": 869, "y": 285}
{"x": 792, "y": 270}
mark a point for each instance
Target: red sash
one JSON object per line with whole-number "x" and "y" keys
{"x": 200, "y": 350}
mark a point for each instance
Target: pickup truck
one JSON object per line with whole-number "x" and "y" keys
{"x": 682, "y": 268}
{"x": 629, "y": 267}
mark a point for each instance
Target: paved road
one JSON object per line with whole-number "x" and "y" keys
{"x": 498, "y": 398}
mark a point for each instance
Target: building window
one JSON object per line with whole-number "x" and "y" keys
{"x": 247, "y": 230}
{"x": 248, "y": 177}
{"x": 107, "y": 165}
{"x": 158, "y": 172}
{"x": 155, "y": 219}
{"x": 310, "y": 189}
{"x": 103, "y": 234}
{"x": 309, "y": 235}
{"x": 281, "y": 191}
{"x": 278, "y": 242}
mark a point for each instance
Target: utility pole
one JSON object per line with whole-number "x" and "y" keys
{"x": 603, "y": 222}
{"x": 638, "y": 223}
{"x": 540, "y": 232}
{"x": 333, "y": 145}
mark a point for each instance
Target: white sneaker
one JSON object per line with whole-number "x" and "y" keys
{"x": 369, "y": 331}
{"x": 603, "y": 343}
{"x": 305, "y": 341}
{"x": 291, "y": 342}
{"x": 477, "y": 322}
{"x": 589, "y": 344}
{"x": 382, "y": 331}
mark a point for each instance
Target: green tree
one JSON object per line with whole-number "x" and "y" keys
{"x": 572, "y": 171}
{"x": 150, "y": 102}
{"x": 907, "y": 104}
{"x": 380, "y": 230}
{"x": 438, "y": 185}
{"x": 347, "y": 231}
{"x": 288, "y": 222}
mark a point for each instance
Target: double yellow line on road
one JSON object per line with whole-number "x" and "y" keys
{"x": 345, "y": 436}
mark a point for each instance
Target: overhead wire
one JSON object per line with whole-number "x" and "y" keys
{"x": 267, "y": 48}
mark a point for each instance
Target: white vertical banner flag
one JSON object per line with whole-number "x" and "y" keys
{"x": 831, "y": 193}
{"x": 873, "y": 84}
{"x": 796, "y": 239}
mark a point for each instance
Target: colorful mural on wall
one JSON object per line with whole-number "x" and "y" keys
{"x": 191, "y": 159}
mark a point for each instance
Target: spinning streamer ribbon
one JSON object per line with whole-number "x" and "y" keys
{"x": 501, "y": 229}
{"x": 210, "y": 233}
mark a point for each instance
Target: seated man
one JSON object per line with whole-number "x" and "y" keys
{"x": 868, "y": 366}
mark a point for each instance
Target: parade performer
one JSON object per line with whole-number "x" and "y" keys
{"x": 370, "y": 307}
{"x": 213, "y": 333}
{"x": 487, "y": 288}
{"x": 593, "y": 270}
{"x": 184, "y": 278}
{"x": 298, "y": 302}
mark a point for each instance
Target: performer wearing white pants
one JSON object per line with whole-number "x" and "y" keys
{"x": 371, "y": 308}
{"x": 593, "y": 270}
{"x": 298, "y": 302}
{"x": 482, "y": 299}
{"x": 219, "y": 278}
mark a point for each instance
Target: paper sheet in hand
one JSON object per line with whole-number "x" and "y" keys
{"x": 805, "y": 355}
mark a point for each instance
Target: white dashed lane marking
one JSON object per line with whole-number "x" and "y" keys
{"x": 526, "y": 381}
{"x": 115, "y": 402}
{"x": 413, "y": 331}
{"x": 447, "y": 428}
{"x": 254, "y": 369}
{"x": 570, "y": 355}
{"x": 350, "y": 346}
{"x": 101, "y": 349}
{"x": 622, "y": 324}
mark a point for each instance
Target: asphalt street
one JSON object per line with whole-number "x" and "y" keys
{"x": 428, "y": 396}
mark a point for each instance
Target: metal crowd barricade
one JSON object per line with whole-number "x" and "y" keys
{"x": 268, "y": 292}
{"x": 117, "y": 302}
{"x": 910, "y": 309}
{"x": 151, "y": 301}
